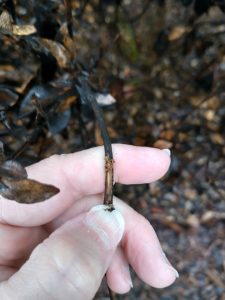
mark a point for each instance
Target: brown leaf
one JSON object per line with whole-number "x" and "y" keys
{"x": 162, "y": 144}
{"x": 27, "y": 190}
{"x": 217, "y": 138}
{"x": 16, "y": 186}
{"x": 7, "y": 26}
{"x": 23, "y": 29}
{"x": 58, "y": 51}
{"x": 67, "y": 41}
{"x": 177, "y": 32}
{"x": 6, "y": 21}
{"x": 12, "y": 170}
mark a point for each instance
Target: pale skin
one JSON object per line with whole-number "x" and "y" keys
{"x": 60, "y": 258}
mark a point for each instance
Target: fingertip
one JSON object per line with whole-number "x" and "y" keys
{"x": 168, "y": 273}
{"x": 144, "y": 253}
{"x": 108, "y": 225}
{"x": 155, "y": 269}
{"x": 166, "y": 278}
{"x": 118, "y": 274}
{"x": 136, "y": 165}
{"x": 123, "y": 288}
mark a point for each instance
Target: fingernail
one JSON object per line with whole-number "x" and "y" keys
{"x": 109, "y": 226}
{"x": 167, "y": 151}
{"x": 169, "y": 264}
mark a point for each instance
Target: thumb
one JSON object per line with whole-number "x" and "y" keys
{"x": 71, "y": 263}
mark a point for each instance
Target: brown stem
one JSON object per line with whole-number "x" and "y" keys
{"x": 89, "y": 97}
{"x": 108, "y": 196}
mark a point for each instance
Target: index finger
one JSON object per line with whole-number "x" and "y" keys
{"x": 81, "y": 174}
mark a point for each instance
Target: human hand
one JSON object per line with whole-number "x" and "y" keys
{"x": 61, "y": 248}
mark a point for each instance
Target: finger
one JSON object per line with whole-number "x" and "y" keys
{"x": 118, "y": 274}
{"x": 17, "y": 243}
{"x": 85, "y": 171}
{"x": 143, "y": 250}
{"x": 72, "y": 262}
{"x": 6, "y": 272}
{"x": 82, "y": 174}
{"x": 140, "y": 244}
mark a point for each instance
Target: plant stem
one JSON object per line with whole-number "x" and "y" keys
{"x": 89, "y": 97}
{"x": 108, "y": 196}
{"x": 112, "y": 295}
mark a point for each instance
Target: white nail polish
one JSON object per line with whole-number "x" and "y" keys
{"x": 169, "y": 265}
{"x": 109, "y": 226}
{"x": 167, "y": 151}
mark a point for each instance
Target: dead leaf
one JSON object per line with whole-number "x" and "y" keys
{"x": 12, "y": 170}
{"x": 23, "y": 29}
{"x": 6, "y": 25}
{"x": 58, "y": 51}
{"x": 15, "y": 185}
{"x": 163, "y": 144}
{"x": 217, "y": 138}
{"x": 177, "y": 32}
{"x": 67, "y": 41}
{"x": 27, "y": 190}
{"x": 6, "y": 21}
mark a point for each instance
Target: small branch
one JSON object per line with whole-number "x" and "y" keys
{"x": 108, "y": 196}
{"x": 89, "y": 97}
